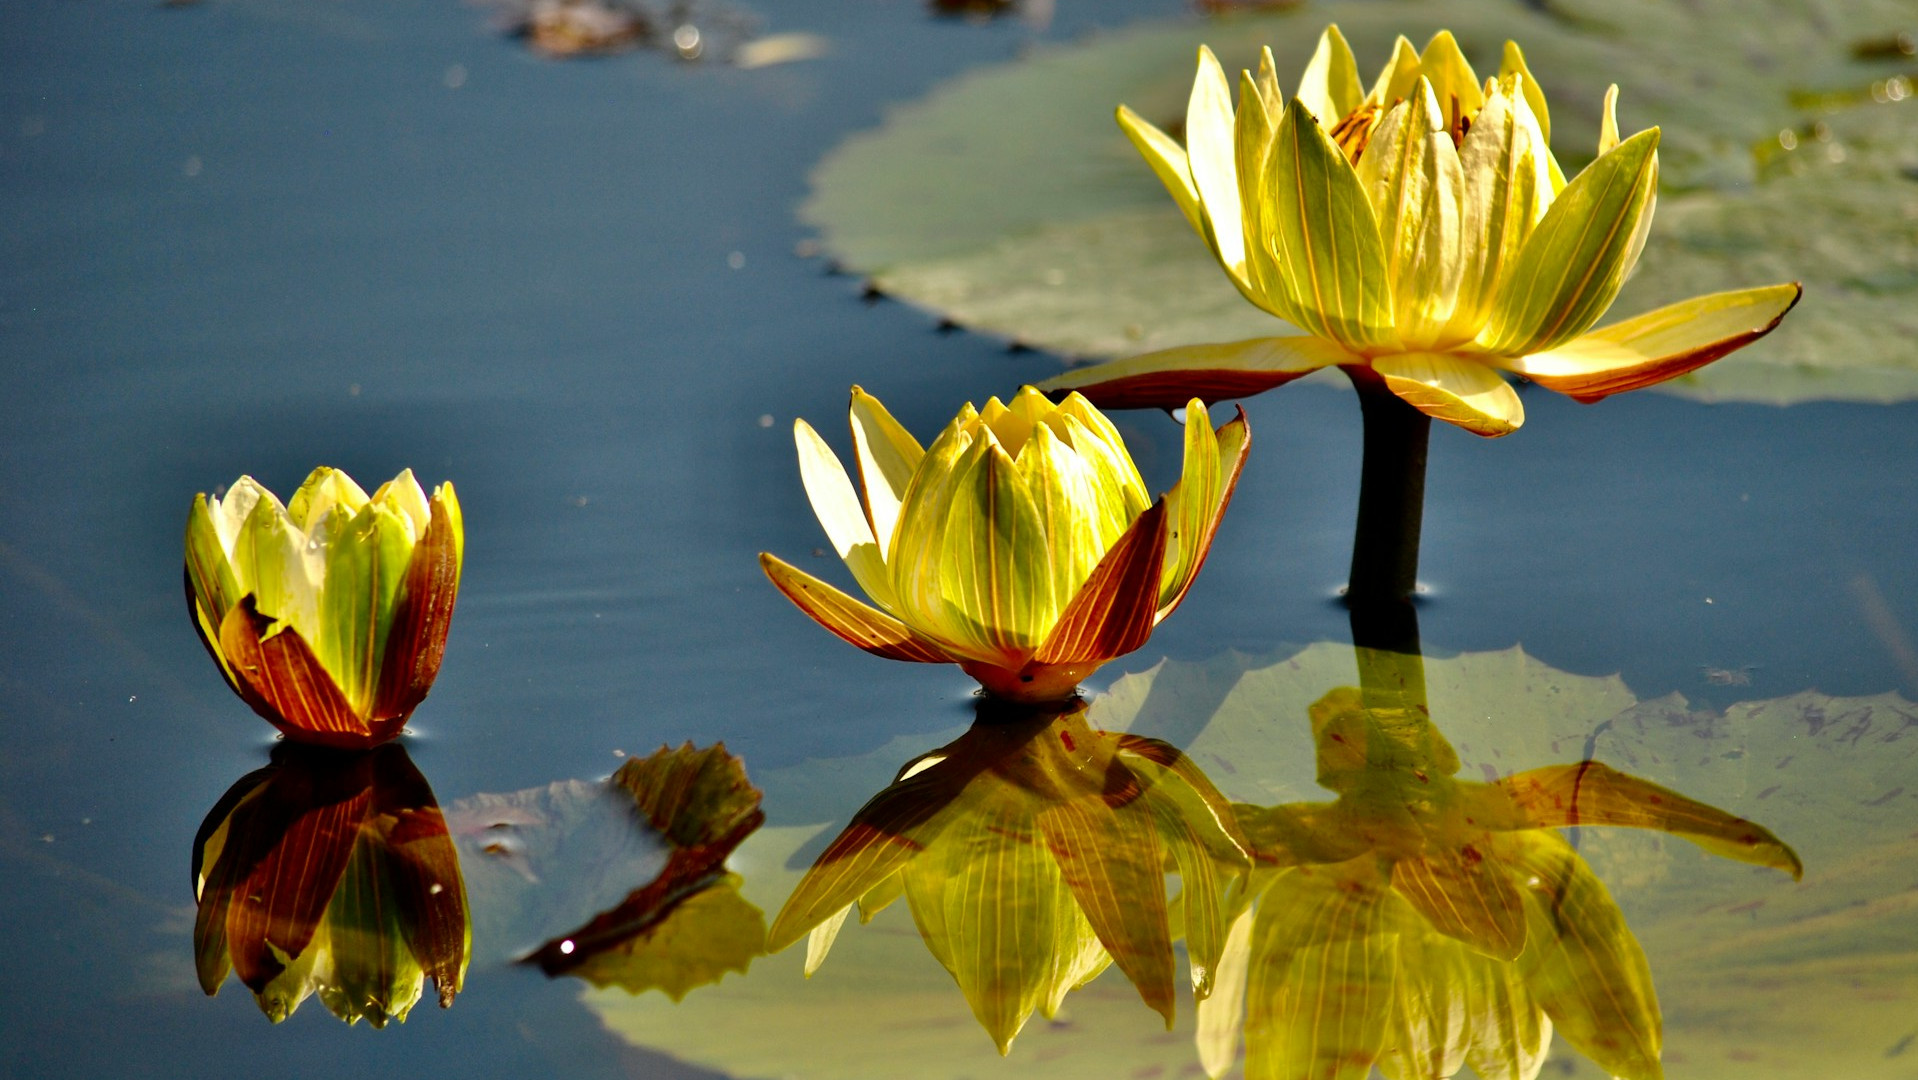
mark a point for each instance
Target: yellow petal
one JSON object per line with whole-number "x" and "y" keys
{"x": 1455, "y": 390}
{"x": 870, "y": 629}
{"x": 995, "y": 571}
{"x": 1168, "y": 161}
{"x": 1327, "y": 236}
{"x": 1507, "y": 185}
{"x": 1453, "y": 80}
{"x": 209, "y": 572}
{"x": 1575, "y": 260}
{"x": 1214, "y": 460}
{"x": 887, "y": 455}
{"x": 912, "y": 560}
{"x": 323, "y": 489}
{"x": 1411, "y": 172}
{"x": 837, "y": 507}
{"x": 1608, "y": 126}
{"x": 1658, "y": 345}
{"x": 1080, "y": 515}
{"x": 1330, "y": 86}
{"x": 1215, "y": 174}
{"x": 1513, "y": 63}
{"x": 1263, "y": 282}
{"x": 1168, "y": 378}
{"x": 403, "y": 496}
{"x": 1395, "y": 83}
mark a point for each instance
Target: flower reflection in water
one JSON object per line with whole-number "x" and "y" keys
{"x": 1033, "y": 852}
{"x": 1421, "y": 923}
{"x": 331, "y": 873}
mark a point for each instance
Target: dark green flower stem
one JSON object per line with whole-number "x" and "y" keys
{"x": 1385, "y": 545}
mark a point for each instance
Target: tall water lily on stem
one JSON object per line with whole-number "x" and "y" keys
{"x": 1423, "y": 237}
{"x": 1021, "y": 545}
{"x": 327, "y": 614}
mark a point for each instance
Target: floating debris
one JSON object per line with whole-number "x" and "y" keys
{"x": 1886, "y": 46}
{"x": 688, "y": 29}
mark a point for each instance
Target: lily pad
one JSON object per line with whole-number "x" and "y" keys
{"x": 624, "y": 880}
{"x": 1009, "y": 202}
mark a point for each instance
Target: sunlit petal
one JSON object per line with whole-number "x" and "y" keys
{"x": 1575, "y": 260}
{"x": 1455, "y": 390}
{"x": 1658, "y": 345}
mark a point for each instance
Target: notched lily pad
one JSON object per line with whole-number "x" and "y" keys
{"x": 1008, "y": 201}
{"x": 558, "y": 866}
{"x": 670, "y": 933}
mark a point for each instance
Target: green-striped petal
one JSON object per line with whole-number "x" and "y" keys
{"x": 1080, "y": 516}
{"x": 269, "y": 555}
{"x": 209, "y": 572}
{"x": 364, "y": 568}
{"x": 995, "y": 575}
{"x": 1575, "y": 260}
{"x": 1327, "y": 236}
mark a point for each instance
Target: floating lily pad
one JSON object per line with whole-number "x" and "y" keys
{"x": 1009, "y": 202}
{"x": 625, "y": 880}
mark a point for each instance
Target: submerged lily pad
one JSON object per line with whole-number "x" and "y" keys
{"x": 1009, "y": 202}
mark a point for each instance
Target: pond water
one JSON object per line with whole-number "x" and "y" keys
{"x": 253, "y": 236}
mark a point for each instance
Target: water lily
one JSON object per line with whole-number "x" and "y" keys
{"x": 327, "y": 614}
{"x": 1033, "y": 852}
{"x": 1020, "y": 545}
{"x": 1423, "y": 237}
{"x": 331, "y": 875}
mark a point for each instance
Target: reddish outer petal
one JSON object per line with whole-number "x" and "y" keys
{"x": 421, "y": 616}
{"x": 1114, "y": 610}
{"x": 283, "y": 681}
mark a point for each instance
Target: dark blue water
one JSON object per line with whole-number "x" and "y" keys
{"x": 260, "y": 235}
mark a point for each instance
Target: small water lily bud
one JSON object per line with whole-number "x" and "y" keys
{"x": 1021, "y": 545}
{"x": 327, "y": 614}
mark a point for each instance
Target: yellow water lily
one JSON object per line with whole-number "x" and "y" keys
{"x": 327, "y": 614}
{"x": 1423, "y": 237}
{"x": 1021, "y": 545}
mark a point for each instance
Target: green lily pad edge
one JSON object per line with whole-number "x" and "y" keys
{"x": 1009, "y": 203}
